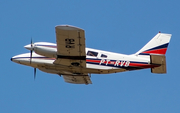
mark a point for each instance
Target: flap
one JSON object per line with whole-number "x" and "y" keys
{"x": 77, "y": 79}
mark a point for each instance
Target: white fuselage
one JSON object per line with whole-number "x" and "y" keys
{"x": 97, "y": 61}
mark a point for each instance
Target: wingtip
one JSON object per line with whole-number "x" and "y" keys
{"x": 68, "y": 27}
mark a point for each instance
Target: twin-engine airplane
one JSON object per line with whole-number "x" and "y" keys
{"x": 70, "y": 58}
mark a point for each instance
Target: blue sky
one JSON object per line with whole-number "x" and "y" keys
{"x": 122, "y": 26}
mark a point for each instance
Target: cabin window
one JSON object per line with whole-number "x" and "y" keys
{"x": 103, "y": 55}
{"x": 92, "y": 53}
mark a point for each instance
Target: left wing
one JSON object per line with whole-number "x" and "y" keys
{"x": 70, "y": 47}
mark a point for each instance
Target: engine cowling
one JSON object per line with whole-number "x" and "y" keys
{"x": 46, "y": 49}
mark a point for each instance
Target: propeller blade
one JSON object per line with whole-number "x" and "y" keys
{"x": 31, "y": 42}
{"x": 34, "y": 73}
{"x": 31, "y": 50}
{"x": 31, "y": 56}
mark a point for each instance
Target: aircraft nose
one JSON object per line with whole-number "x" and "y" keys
{"x": 21, "y": 59}
{"x": 29, "y": 46}
{"x": 14, "y": 58}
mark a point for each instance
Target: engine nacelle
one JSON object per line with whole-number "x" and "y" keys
{"x": 46, "y": 49}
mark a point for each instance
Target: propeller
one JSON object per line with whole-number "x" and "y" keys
{"x": 31, "y": 48}
{"x": 31, "y": 51}
{"x": 34, "y": 73}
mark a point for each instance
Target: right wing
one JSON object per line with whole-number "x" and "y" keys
{"x": 77, "y": 79}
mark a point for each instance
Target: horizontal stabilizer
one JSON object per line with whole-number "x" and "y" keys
{"x": 158, "y": 60}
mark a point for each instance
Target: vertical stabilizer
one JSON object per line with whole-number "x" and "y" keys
{"x": 157, "y": 45}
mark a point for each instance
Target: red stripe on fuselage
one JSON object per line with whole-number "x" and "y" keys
{"x": 94, "y": 61}
{"x": 157, "y": 51}
{"x": 131, "y": 64}
{"x": 143, "y": 65}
